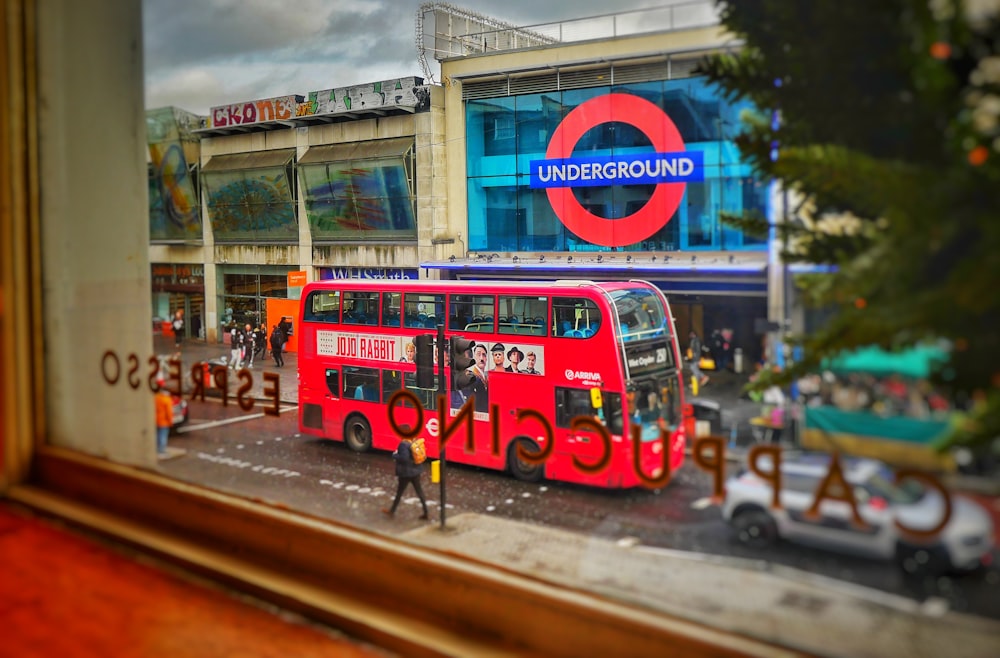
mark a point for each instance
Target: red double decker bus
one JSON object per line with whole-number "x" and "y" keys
{"x": 606, "y": 352}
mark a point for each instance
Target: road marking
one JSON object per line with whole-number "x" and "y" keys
{"x": 219, "y": 423}
{"x": 239, "y": 463}
{"x": 702, "y": 503}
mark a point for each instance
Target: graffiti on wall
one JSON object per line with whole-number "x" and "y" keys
{"x": 401, "y": 92}
{"x": 259, "y": 111}
{"x": 407, "y": 92}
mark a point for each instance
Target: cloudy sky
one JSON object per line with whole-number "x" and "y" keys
{"x": 203, "y": 53}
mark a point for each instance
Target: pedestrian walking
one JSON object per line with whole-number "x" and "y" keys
{"x": 249, "y": 347}
{"x": 277, "y": 340}
{"x": 236, "y": 342}
{"x": 286, "y": 332}
{"x": 716, "y": 348}
{"x": 260, "y": 341}
{"x": 164, "y": 417}
{"x": 694, "y": 348}
{"x": 177, "y": 325}
{"x": 407, "y": 473}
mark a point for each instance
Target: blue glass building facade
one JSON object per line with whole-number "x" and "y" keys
{"x": 504, "y": 134}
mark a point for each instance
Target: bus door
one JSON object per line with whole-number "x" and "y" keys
{"x": 585, "y": 444}
{"x": 333, "y": 423}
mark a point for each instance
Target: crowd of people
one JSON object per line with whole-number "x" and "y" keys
{"x": 248, "y": 343}
{"x": 717, "y": 349}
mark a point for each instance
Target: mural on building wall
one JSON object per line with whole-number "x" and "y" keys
{"x": 357, "y": 198}
{"x": 173, "y": 197}
{"x": 250, "y": 204}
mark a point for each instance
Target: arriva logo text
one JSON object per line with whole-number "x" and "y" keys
{"x": 582, "y": 374}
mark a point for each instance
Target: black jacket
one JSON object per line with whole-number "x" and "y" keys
{"x": 277, "y": 338}
{"x": 405, "y": 468}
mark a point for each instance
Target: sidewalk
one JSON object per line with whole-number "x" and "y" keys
{"x": 793, "y": 608}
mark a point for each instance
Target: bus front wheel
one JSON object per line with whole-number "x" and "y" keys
{"x": 358, "y": 433}
{"x": 520, "y": 469}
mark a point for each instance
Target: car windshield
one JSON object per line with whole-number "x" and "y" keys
{"x": 906, "y": 493}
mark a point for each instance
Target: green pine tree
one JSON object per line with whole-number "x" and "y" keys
{"x": 884, "y": 118}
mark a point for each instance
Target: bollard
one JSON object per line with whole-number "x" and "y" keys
{"x": 738, "y": 360}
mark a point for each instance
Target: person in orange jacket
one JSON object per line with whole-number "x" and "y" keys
{"x": 164, "y": 417}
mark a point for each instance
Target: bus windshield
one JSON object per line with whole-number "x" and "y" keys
{"x": 640, "y": 313}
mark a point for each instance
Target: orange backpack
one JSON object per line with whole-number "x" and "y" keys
{"x": 418, "y": 451}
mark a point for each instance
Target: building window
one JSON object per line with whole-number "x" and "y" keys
{"x": 360, "y": 190}
{"x": 506, "y": 214}
{"x": 250, "y": 197}
{"x": 174, "y": 205}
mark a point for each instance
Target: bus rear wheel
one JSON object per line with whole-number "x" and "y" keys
{"x": 520, "y": 469}
{"x": 358, "y": 433}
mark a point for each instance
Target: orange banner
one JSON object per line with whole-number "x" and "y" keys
{"x": 284, "y": 308}
{"x": 296, "y": 279}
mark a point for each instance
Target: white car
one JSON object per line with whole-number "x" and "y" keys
{"x": 965, "y": 542}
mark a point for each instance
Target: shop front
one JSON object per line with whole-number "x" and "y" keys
{"x": 245, "y": 292}
{"x": 179, "y": 287}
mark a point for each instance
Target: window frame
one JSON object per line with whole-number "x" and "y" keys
{"x": 334, "y": 573}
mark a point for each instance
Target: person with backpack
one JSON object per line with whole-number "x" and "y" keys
{"x": 277, "y": 341}
{"x": 260, "y": 341}
{"x": 409, "y": 466}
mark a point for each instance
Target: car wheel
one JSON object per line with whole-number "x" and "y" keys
{"x": 522, "y": 470}
{"x": 755, "y": 528}
{"x": 358, "y": 433}
{"x": 922, "y": 560}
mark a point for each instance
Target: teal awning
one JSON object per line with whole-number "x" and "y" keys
{"x": 917, "y": 362}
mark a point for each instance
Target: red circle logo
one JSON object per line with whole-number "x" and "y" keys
{"x": 664, "y": 136}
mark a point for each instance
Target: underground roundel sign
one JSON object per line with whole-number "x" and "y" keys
{"x": 670, "y": 167}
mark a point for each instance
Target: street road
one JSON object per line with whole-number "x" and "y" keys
{"x": 264, "y": 458}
